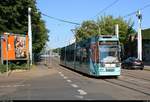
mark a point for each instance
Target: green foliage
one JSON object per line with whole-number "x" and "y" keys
{"x": 87, "y": 29}
{"x": 57, "y": 50}
{"x": 14, "y": 18}
{"x": 2, "y": 68}
{"x": 39, "y": 36}
{"x": 105, "y": 25}
{"x": 12, "y": 66}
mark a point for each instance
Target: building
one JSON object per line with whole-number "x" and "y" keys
{"x": 146, "y": 44}
{"x": 131, "y": 45}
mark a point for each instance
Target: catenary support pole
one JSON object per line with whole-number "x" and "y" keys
{"x": 30, "y": 34}
{"x": 139, "y": 37}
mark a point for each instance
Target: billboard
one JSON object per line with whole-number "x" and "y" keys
{"x": 14, "y": 47}
{"x": 20, "y": 47}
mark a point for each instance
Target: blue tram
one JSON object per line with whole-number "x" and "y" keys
{"x": 96, "y": 56}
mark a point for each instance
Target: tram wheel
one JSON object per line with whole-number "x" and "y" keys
{"x": 141, "y": 68}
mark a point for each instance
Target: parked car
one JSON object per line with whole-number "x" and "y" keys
{"x": 132, "y": 63}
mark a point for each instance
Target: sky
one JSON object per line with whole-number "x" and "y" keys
{"x": 81, "y": 10}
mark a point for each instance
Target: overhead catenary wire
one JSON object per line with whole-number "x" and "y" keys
{"x": 113, "y": 3}
{"x": 107, "y": 7}
{"x": 70, "y": 22}
{"x": 61, "y": 20}
{"x": 134, "y": 12}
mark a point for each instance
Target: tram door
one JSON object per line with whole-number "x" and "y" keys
{"x": 94, "y": 58}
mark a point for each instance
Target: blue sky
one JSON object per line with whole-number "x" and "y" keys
{"x": 81, "y": 10}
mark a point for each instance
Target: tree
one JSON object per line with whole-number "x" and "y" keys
{"x": 57, "y": 50}
{"x": 14, "y": 18}
{"x": 106, "y": 26}
{"x": 87, "y": 29}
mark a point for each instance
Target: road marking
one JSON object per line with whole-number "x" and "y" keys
{"x": 18, "y": 85}
{"x": 5, "y": 86}
{"x": 69, "y": 81}
{"x": 62, "y": 75}
{"x": 82, "y": 92}
{"x": 65, "y": 77}
{"x": 74, "y": 85}
{"x": 81, "y": 97}
{"x": 89, "y": 99}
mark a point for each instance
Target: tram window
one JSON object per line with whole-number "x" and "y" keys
{"x": 67, "y": 54}
{"x": 84, "y": 55}
{"x": 72, "y": 55}
{"x": 62, "y": 54}
{"x": 78, "y": 55}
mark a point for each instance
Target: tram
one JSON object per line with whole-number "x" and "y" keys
{"x": 96, "y": 56}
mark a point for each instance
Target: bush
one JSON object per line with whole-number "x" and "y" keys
{"x": 12, "y": 66}
{"x": 3, "y": 68}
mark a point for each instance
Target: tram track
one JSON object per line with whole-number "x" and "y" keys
{"x": 126, "y": 82}
{"x": 127, "y": 73}
{"x": 129, "y": 85}
{"x": 136, "y": 82}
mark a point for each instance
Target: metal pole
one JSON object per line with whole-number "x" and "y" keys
{"x": 73, "y": 31}
{"x": 117, "y": 30}
{"x": 139, "y": 37}
{"x": 30, "y": 34}
{"x": 7, "y": 53}
{"x": 1, "y": 51}
{"x": 50, "y": 57}
{"x": 45, "y": 56}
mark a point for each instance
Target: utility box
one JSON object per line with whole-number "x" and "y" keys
{"x": 14, "y": 47}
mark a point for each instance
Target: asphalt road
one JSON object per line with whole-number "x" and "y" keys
{"x": 58, "y": 83}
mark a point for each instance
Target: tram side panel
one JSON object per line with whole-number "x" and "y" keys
{"x": 62, "y": 57}
{"x": 70, "y": 56}
{"x": 87, "y": 59}
{"x": 82, "y": 58}
{"x": 66, "y": 56}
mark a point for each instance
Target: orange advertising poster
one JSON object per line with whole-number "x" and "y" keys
{"x": 15, "y": 47}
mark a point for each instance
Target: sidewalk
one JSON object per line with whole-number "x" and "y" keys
{"x": 11, "y": 74}
{"x": 36, "y": 70}
{"x": 147, "y": 66}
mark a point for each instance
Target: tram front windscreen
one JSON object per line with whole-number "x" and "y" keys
{"x": 109, "y": 52}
